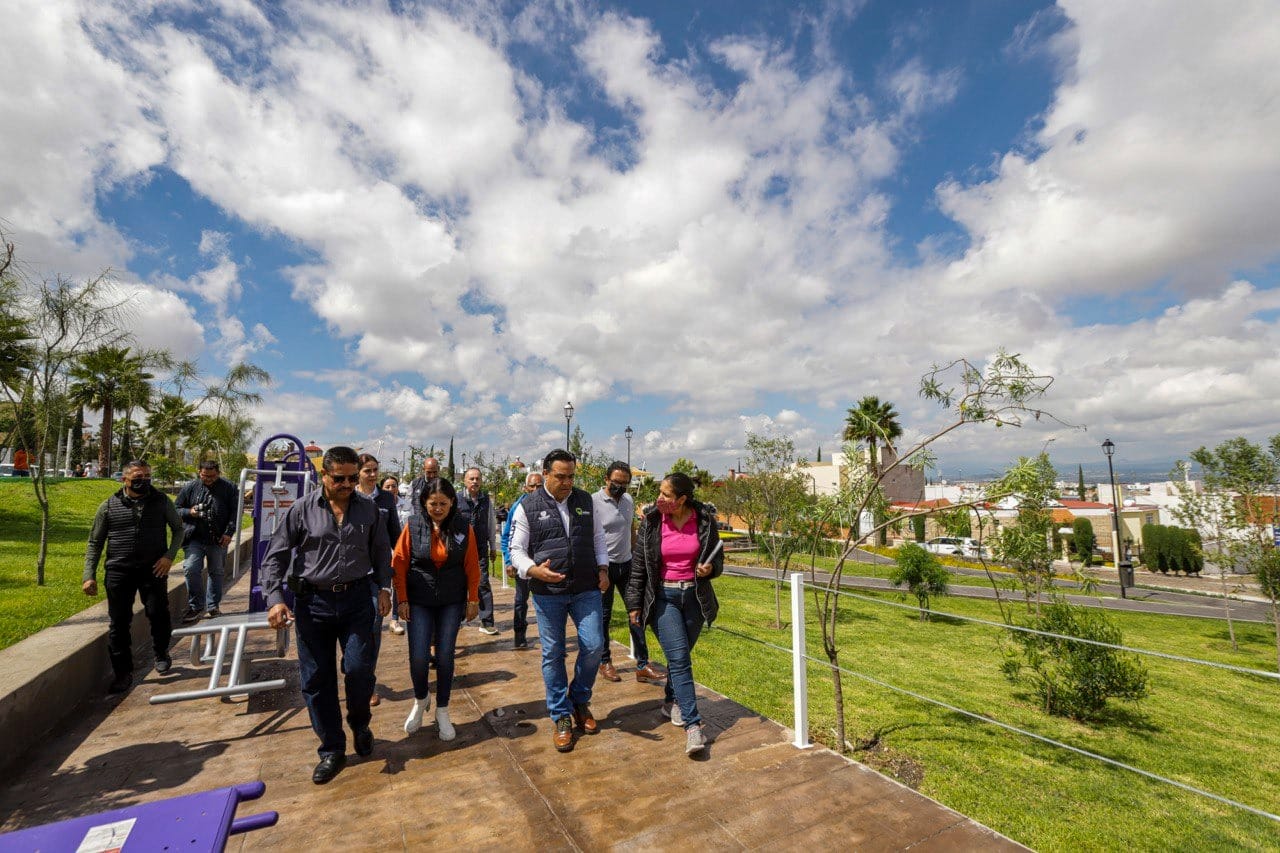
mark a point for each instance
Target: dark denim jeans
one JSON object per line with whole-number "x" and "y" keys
{"x": 678, "y": 622}
{"x": 327, "y": 621}
{"x": 434, "y": 627}
{"x": 121, "y": 588}
{"x": 520, "y": 623}
{"x": 197, "y": 556}
{"x": 554, "y": 612}
{"x": 618, "y": 574}
{"x": 486, "y": 594}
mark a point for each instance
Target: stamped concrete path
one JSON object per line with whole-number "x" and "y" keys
{"x": 500, "y": 785}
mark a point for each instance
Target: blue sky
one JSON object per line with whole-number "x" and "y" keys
{"x": 435, "y": 219}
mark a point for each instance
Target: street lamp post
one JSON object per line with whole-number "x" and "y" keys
{"x": 628, "y": 432}
{"x": 568, "y": 417}
{"x": 1109, "y": 448}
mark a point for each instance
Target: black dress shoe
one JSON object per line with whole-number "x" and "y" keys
{"x": 329, "y": 766}
{"x": 120, "y": 684}
{"x": 164, "y": 664}
{"x": 364, "y": 741}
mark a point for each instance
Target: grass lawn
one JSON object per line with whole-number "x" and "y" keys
{"x": 1207, "y": 728}
{"x": 24, "y": 607}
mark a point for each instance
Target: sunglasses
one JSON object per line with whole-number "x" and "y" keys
{"x": 344, "y": 478}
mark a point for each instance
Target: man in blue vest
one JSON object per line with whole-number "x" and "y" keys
{"x": 520, "y": 623}
{"x": 142, "y": 533}
{"x": 558, "y": 544}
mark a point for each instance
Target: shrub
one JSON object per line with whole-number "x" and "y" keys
{"x": 921, "y": 572}
{"x": 917, "y": 527}
{"x": 1075, "y": 679}
{"x": 1083, "y": 539}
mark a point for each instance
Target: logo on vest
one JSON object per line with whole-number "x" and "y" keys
{"x": 580, "y": 511}
{"x": 543, "y": 515}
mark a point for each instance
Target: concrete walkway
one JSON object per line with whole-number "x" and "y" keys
{"x": 500, "y": 784}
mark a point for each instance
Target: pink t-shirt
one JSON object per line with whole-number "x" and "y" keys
{"x": 679, "y": 549}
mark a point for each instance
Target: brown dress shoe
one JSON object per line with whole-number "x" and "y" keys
{"x": 649, "y": 675}
{"x": 608, "y": 673}
{"x": 564, "y": 734}
{"x": 375, "y": 700}
{"x": 583, "y": 719}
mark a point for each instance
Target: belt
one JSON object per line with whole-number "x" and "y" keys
{"x": 345, "y": 586}
{"x": 679, "y": 584}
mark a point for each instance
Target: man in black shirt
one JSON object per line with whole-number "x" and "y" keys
{"x": 207, "y": 507}
{"x": 132, "y": 524}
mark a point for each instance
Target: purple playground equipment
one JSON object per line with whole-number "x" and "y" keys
{"x": 201, "y": 821}
{"x": 277, "y": 484}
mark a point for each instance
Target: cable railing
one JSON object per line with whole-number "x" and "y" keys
{"x": 800, "y": 687}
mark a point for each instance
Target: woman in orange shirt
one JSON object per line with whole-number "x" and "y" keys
{"x": 437, "y": 579}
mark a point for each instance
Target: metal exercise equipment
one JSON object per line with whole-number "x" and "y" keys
{"x": 277, "y": 484}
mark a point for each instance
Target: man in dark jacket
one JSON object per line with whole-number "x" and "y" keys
{"x": 557, "y": 543}
{"x": 131, "y": 524}
{"x": 477, "y": 508}
{"x": 430, "y": 471}
{"x": 207, "y": 507}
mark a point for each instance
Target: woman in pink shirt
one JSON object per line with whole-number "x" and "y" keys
{"x": 677, "y": 554}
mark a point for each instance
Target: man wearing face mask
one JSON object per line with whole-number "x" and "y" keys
{"x": 617, "y": 511}
{"x": 131, "y": 524}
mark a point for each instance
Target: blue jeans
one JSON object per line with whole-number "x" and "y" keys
{"x": 438, "y": 627}
{"x": 618, "y": 575}
{"x": 197, "y": 555}
{"x": 325, "y": 622}
{"x": 678, "y": 622}
{"x": 554, "y": 611}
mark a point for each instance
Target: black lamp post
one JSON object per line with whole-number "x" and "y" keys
{"x": 628, "y": 432}
{"x": 568, "y": 417}
{"x": 1109, "y": 448}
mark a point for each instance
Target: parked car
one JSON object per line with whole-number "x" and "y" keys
{"x": 956, "y": 546}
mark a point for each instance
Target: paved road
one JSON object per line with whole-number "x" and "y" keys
{"x": 1141, "y": 599}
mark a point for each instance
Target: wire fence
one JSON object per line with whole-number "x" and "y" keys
{"x": 800, "y": 658}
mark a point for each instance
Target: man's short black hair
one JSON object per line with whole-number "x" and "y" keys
{"x": 210, "y": 464}
{"x": 136, "y": 463}
{"x": 617, "y": 466}
{"x": 555, "y": 456}
{"x": 339, "y": 455}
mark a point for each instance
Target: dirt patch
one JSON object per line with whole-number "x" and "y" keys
{"x": 883, "y": 758}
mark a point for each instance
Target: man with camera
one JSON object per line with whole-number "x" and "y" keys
{"x": 207, "y": 507}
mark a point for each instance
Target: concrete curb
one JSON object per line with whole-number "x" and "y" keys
{"x": 47, "y": 677}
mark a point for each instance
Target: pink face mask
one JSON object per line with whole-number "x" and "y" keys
{"x": 666, "y": 506}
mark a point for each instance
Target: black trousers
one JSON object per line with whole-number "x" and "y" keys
{"x": 521, "y": 626}
{"x": 122, "y": 586}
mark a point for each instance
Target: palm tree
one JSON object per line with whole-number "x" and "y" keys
{"x": 872, "y": 421}
{"x": 95, "y": 384}
{"x": 170, "y": 420}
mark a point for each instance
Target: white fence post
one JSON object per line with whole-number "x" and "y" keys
{"x": 799, "y": 671}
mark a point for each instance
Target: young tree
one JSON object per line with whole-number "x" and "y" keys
{"x": 64, "y": 320}
{"x": 1002, "y": 393}
{"x": 1230, "y": 514}
{"x": 922, "y": 572}
{"x": 1027, "y": 545}
{"x": 773, "y": 497}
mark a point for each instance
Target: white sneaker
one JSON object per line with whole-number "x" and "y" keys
{"x": 671, "y": 710}
{"x": 488, "y": 629}
{"x": 414, "y": 721}
{"x": 397, "y": 627}
{"x": 444, "y": 725}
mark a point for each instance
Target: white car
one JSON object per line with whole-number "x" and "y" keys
{"x": 956, "y": 546}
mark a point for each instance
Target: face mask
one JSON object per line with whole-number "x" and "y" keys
{"x": 141, "y": 484}
{"x": 666, "y": 506}
{"x": 616, "y": 491}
